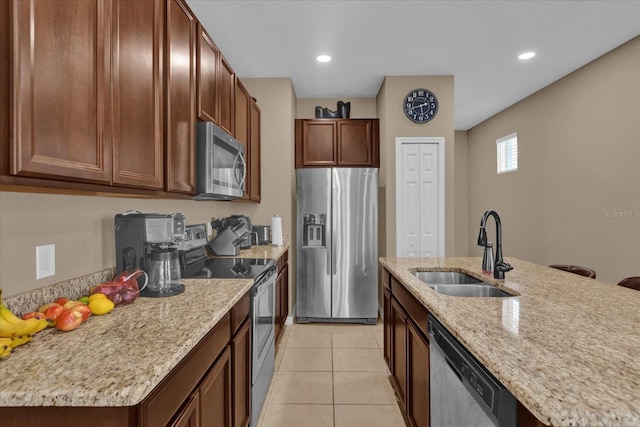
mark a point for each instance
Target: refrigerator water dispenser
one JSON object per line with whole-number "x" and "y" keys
{"x": 314, "y": 231}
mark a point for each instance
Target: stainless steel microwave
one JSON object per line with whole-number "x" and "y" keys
{"x": 220, "y": 165}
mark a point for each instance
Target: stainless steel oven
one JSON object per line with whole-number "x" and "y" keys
{"x": 263, "y": 299}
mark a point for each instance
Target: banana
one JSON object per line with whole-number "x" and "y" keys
{"x": 5, "y": 342}
{"x": 7, "y": 315}
{"x": 4, "y": 351}
{"x": 20, "y": 340}
{"x": 9, "y": 328}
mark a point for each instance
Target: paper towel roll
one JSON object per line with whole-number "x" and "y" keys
{"x": 276, "y": 231}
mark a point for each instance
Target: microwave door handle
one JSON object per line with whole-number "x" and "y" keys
{"x": 244, "y": 169}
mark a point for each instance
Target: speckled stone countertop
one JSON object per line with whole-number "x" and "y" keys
{"x": 116, "y": 359}
{"x": 567, "y": 347}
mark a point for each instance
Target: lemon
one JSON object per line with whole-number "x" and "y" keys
{"x": 97, "y": 296}
{"x": 101, "y": 306}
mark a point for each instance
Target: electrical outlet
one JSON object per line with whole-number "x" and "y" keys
{"x": 45, "y": 261}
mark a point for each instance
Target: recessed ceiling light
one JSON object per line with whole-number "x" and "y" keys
{"x": 323, "y": 58}
{"x": 527, "y": 55}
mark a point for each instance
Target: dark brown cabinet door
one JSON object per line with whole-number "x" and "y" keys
{"x": 190, "y": 415}
{"x": 387, "y": 327}
{"x": 417, "y": 378}
{"x": 399, "y": 351}
{"x": 180, "y": 99}
{"x": 215, "y": 394}
{"x": 207, "y": 67}
{"x": 284, "y": 295}
{"x": 61, "y": 90}
{"x": 255, "y": 168}
{"x": 225, "y": 89}
{"x": 316, "y": 143}
{"x": 242, "y": 129}
{"x": 357, "y": 143}
{"x": 137, "y": 46}
{"x": 241, "y": 354}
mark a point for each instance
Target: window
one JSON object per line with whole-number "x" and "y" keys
{"x": 507, "y": 150}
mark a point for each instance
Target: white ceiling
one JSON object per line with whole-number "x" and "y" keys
{"x": 475, "y": 41}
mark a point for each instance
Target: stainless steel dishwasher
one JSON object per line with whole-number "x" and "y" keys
{"x": 463, "y": 393}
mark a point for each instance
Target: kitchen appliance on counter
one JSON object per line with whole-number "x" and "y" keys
{"x": 264, "y": 273}
{"x": 191, "y": 251}
{"x": 148, "y": 241}
{"x": 337, "y": 228}
{"x": 462, "y": 391}
{"x": 234, "y": 233}
{"x": 263, "y": 234}
{"x": 220, "y": 166}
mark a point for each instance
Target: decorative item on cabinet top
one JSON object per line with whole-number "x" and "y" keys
{"x": 343, "y": 111}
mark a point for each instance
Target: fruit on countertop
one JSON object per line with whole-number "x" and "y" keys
{"x": 62, "y": 300}
{"x": 35, "y": 314}
{"x": 68, "y": 320}
{"x": 14, "y": 331}
{"x": 101, "y": 306}
{"x": 52, "y": 310}
{"x": 84, "y": 299}
{"x": 81, "y": 308}
{"x": 122, "y": 290}
{"x": 96, "y": 296}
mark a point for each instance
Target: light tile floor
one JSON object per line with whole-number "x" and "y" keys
{"x": 331, "y": 375}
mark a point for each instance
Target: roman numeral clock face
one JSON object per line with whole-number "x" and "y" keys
{"x": 420, "y": 105}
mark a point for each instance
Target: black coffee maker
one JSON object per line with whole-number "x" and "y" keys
{"x": 148, "y": 241}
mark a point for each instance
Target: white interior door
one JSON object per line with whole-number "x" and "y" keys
{"x": 419, "y": 197}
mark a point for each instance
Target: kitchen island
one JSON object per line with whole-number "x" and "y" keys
{"x": 567, "y": 347}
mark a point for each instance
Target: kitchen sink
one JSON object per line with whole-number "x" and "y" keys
{"x": 457, "y": 284}
{"x": 446, "y": 277}
{"x": 467, "y": 290}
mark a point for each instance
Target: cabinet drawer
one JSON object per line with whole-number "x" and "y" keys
{"x": 239, "y": 313}
{"x": 414, "y": 309}
{"x": 386, "y": 279}
{"x": 164, "y": 402}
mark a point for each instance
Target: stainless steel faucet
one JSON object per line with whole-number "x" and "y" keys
{"x": 500, "y": 267}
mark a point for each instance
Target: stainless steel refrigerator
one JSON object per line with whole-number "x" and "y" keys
{"x": 337, "y": 245}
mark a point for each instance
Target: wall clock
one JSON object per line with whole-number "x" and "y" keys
{"x": 420, "y": 105}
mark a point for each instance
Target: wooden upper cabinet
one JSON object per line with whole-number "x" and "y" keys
{"x": 255, "y": 179}
{"x": 138, "y": 127}
{"x": 180, "y": 97}
{"x": 341, "y": 143}
{"x": 242, "y": 129}
{"x": 225, "y": 89}
{"x": 316, "y": 143}
{"x": 358, "y": 143}
{"x": 59, "y": 94}
{"x": 207, "y": 66}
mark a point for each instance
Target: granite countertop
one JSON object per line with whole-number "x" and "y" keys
{"x": 116, "y": 359}
{"x": 567, "y": 347}
{"x": 119, "y": 358}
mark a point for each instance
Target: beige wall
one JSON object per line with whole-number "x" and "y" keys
{"x": 575, "y": 198}
{"x": 360, "y": 108}
{"x": 81, "y": 227}
{"x": 393, "y": 123}
{"x": 461, "y": 195}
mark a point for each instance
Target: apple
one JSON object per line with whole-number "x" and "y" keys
{"x": 35, "y": 314}
{"x": 68, "y": 320}
{"x": 51, "y": 310}
{"x": 62, "y": 300}
{"x": 70, "y": 303}
{"x": 83, "y": 309}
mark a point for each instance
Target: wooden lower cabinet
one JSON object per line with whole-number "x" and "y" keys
{"x": 241, "y": 355}
{"x": 215, "y": 394}
{"x": 399, "y": 351}
{"x": 282, "y": 294}
{"x": 417, "y": 409}
{"x": 190, "y": 415}
{"x": 386, "y": 307}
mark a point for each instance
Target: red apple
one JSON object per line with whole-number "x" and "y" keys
{"x": 68, "y": 320}
{"x": 51, "y": 310}
{"x": 83, "y": 309}
{"x": 62, "y": 300}
{"x": 35, "y": 314}
{"x": 70, "y": 303}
